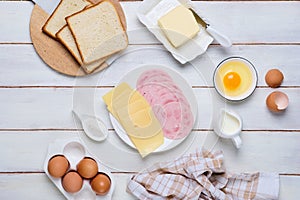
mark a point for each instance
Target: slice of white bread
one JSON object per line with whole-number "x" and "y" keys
{"x": 57, "y": 19}
{"x": 66, "y": 38}
{"x": 98, "y": 31}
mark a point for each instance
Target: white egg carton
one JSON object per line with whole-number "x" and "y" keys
{"x": 74, "y": 151}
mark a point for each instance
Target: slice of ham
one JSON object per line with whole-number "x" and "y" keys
{"x": 157, "y": 93}
{"x": 154, "y": 75}
{"x": 168, "y": 102}
{"x": 177, "y": 120}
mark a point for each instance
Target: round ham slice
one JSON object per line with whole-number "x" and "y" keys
{"x": 158, "y": 94}
{"x": 154, "y": 75}
{"x": 169, "y": 104}
{"x": 177, "y": 120}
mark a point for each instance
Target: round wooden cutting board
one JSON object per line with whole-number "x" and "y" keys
{"x": 52, "y": 52}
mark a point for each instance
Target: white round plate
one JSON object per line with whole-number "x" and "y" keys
{"x": 131, "y": 78}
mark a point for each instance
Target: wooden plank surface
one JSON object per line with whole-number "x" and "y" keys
{"x": 243, "y": 22}
{"x": 22, "y": 109}
{"x": 27, "y": 69}
{"x": 256, "y": 154}
{"x": 36, "y": 102}
{"x": 21, "y": 187}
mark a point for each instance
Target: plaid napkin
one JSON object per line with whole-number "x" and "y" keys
{"x": 200, "y": 175}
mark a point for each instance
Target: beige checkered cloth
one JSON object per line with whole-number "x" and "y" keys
{"x": 200, "y": 175}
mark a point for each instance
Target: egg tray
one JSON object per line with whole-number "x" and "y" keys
{"x": 75, "y": 151}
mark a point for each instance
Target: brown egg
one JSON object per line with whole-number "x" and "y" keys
{"x": 72, "y": 182}
{"x": 87, "y": 168}
{"x": 277, "y": 101}
{"x": 58, "y": 166}
{"x": 101, "y": 184}
{"x": 274, "y": 78}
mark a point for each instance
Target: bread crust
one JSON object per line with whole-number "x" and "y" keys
{"x": 119, "y": 9}
{"x": 44, "y": 28}
{"x": 66, "y": 45}
{"x": 121, "y": 18}
{"x": 85, "y": 67}
{"x": 90, "y": 7}
{"x": 49, "y": 18}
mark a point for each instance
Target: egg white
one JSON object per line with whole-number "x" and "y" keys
{"x": 243, "y": 70}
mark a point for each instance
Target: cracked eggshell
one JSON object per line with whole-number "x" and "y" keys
{"x": 277, "y": 101}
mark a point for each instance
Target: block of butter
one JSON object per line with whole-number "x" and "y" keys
{"x": 179, "y": 25}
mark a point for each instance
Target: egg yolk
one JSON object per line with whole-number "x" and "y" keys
{"x": 231, "y": 80}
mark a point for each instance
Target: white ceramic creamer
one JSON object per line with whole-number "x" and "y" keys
{"x": 229, "y": 125}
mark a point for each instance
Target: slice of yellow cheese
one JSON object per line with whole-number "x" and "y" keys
{"x": 179, "y": 25}
{"x": 115, "y": 93}
{"x": 135, "y": 115}
{"x": 147, "y": 146}
{"x": 142, "y": 124}
{"x": 129, "y": 99}
{"x": 137, "y": 106}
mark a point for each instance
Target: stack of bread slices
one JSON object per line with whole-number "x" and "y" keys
{"x": 91, "y": 32}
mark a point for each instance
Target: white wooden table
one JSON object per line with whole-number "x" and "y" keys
{"x": 36, "y": 102}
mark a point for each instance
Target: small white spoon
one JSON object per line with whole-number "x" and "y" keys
{"x": 93, "y": 127}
